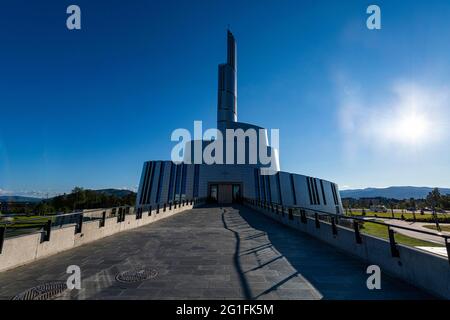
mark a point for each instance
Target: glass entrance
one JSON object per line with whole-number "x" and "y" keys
{"x": 213, "y": 192}
{"x": 236, "y": 192}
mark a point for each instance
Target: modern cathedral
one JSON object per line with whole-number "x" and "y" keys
{"x": 165, "y": 182}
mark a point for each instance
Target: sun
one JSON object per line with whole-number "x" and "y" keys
{"x": 412, "y": 128}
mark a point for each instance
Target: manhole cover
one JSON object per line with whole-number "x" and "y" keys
{"x": 137, "y": 275}
{"x": 42, "y": 292}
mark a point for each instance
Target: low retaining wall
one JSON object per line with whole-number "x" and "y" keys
{"x": 21, "y": 250}
{"x": 422, "y": 269}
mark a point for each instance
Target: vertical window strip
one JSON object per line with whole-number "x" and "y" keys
{"x": 171, "y": 177}
{"x": 177, "y": 182}
{"x": 323, "y": 193}
{"x": 152, "y": 175}
{"x": 294, "y": 194}
{"x": 316, "y": 191}
{"x": 196, "y": 179}
{"x": 258, "y": 192}
{"x": 183, "y": 182}
{"x": 263, "y": 188}
{"x": 332, "y": 191}
{"x": 150, "y": 166}
{"x": 309, "y": 190}
{"x": 269, "y": 191}
{"x": 144, "y": 182}
{"x": 160, "y": 181}
{"x": 279, "y": 188}
{"x": 336, "y": 200}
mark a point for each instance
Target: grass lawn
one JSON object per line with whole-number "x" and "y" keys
{"x": 28, "y": 222}
{"x": 443, "y": 227}
{"x": 381, "y": 231}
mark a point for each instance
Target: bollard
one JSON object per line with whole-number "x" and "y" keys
{"x": 48, "y": 230}
{"x": 170, "y": 206}
{"x": 394, "y": 250}
{"x": 333, "y": 226}
{"x": 291, "y": 215}
{"x": 316, "y": 218}
{"x": 150, "y": 211}
{"x": 102, "y": 221}
{"x": 157, "y": 208}
{"x": 303, "y": 216}
{"x": 164, "y": 209}
{"x": 2, "y": 237}
{"x": 357, "y": 233}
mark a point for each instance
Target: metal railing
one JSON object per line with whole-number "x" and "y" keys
{"x": 304, "y": 214}
{"x": 44, "y": 224}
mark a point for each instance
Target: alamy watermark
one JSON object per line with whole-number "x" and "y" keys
{"x": 240, "y": 147}
{"x": 374, "y": 20}
{"x": 374, "y": 280}
{"x": 74, "y": 280}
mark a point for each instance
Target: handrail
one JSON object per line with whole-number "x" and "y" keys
{"x": 379, "y": 222}
{"x": 445, "y": 237}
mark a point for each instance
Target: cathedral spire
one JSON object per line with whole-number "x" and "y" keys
{"x": 227, "y": 89}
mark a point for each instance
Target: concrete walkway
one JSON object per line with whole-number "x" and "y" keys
{"x": 210, "y": 253}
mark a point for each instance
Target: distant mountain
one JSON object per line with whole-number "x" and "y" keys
{"x": 20, "y": 199}
{"x": 399, "y": 193}
{"x": 120, "y": 193}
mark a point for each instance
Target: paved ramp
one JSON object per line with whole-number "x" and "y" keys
{"x": 210, "y": 253}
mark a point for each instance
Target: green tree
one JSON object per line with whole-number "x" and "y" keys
{"x": 434, "y": 199}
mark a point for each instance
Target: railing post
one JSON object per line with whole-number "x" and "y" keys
{"x": 157, "y": 208}
{"x": 291, "y": 215}
{"x": 357, "y": 233}
{"x": 79, "y": 224}
{"x": 2, "y": 237}
{"x": 170, "y": 206}
{"x": 303, "y": 216}
{"x": 316, "y": 218}
{"x": 48, "y": 230}
{"x": 447, "y": 245}
{"x": 333, "y": 226}
{"x": 394, "y": 250}
{"x": 102, "y": 222}
{"x": 137, "y": 214}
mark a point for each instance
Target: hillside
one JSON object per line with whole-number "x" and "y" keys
{"x": 399, "y": 193}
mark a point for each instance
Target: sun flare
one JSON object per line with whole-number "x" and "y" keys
{"x": 412, "y": 128}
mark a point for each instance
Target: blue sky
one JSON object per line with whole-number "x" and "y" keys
{"x": 359, "y": 107}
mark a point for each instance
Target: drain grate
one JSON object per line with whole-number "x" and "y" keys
{"x": 42, "y": 292}
{"x": 137, "y": 275}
